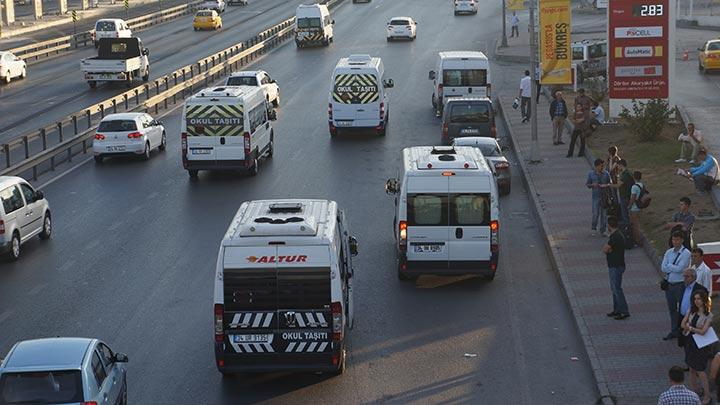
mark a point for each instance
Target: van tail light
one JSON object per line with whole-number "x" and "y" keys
{"x": 494, "y": 236}
{"x": 88, "y": 403}
{"x": 330, "y": 111}
{"x": 501, "y": 165}
{"x": 219, "y": 335}
{"x": 337, "y": 321}
{"x": 99, "y": 137}
{"x": 445, "y": 131}
{"x": 2, "y": 227}
{"x": 117, "y": 34}
{"x": 402, "y": 228}
{"x": 382, "y": 111}
{"x": 184, "y": 148}
{"x": 493, "y": 132}
{"x": 246, "y": 147}
{"x": 135, "y": 135}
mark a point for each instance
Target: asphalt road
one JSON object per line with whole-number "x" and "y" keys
{"x": 132, "y": 257}
{"x": 56, "y": 88}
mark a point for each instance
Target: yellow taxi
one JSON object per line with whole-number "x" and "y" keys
{"x": 709, "y": 55}
{"x": 207, "y": 20}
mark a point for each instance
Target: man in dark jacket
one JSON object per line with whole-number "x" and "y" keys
{"x": 558, "y": 114}
{"x": 691, "y": 286}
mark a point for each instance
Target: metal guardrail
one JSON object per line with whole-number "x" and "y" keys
{"x": 35, "y": 51}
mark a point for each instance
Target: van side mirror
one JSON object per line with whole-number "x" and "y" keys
{"x": 392, "y": 186}
{"x": 353, "y": 245}
{"x": 120, "y": 358}
{"x": 39, "y": 195}
{"x": 272, "y": 115}
{"x": 332, "y": 22}
{"x": 389, "y": 83}
{"x": 431, "y": 75}
{"x": 700, "y": 49}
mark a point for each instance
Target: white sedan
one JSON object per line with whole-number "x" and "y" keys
{"x": 128, "y": 134}
{"x": 11, "y": 66}
{"x": 257, "y": 78}
{"x": 401, "y": 27}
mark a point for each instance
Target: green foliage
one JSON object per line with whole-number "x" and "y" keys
{"x": 597, "y": 88}
{"x": 647, "y": 119}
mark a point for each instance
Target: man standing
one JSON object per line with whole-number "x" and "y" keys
{"x": 580, "y": 128}
{"x": 691, "y": 286}
{"x": 705, "y": 175}
{"x": 634, "y": 210}
{"x": 585, "y": 101}
{"x": 691, "y": 141}
{"x": 514, "y": 26}
{"x": 678, "y": 393}
{"x": 625, "y": 182}
{"x": 614, "y": 251}
{"x": 675, "y": 260}
{"x": 704, "y": 275}
{"x": 558, "y": 114}
{"x": 525, "y": 94}
{"x": 597, "y": 180}
{"x": 683, "y": 221}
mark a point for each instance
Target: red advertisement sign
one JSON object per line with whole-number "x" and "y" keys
{"x": 638, "y": 49}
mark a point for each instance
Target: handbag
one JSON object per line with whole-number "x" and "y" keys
{"x": 664, "y": 284}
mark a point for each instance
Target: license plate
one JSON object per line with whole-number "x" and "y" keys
{"x": 120, "y": 148}
{"x": 428, "y": 248}
{"x": 255, "y": 338}
{"x": 200, "y": 151}
{"x": 469, "y": 131}
{"x": 343, "y": 123}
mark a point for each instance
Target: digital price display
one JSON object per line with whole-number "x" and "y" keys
{"x": 648, "y": 10}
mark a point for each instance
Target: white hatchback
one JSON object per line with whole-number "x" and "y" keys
{"x": 11, "y": 66}
{"x": 401, "y": 27}
{"x": 110, "y": 28}
{"x": 128, "y": 134}
{"x": 466, "y": 7}
{"x": 24, "y": 213}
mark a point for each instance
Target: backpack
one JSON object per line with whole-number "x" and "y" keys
{"x": 644, "y": 199}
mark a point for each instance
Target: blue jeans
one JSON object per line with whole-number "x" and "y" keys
{"x": 624, "y": 215}
{"x": 619, "y": 303}
{"x": 673, "y": 295}
{"x": 598, "y": 214}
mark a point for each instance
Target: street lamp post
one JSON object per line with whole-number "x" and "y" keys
{"x": 504, "y": 37}
{"x": 533, "y": 87}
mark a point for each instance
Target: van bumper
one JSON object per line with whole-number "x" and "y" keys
{"x": 450, "y": 268}
{"x": 275, "y": 362}
{"x": 217, "y": 164}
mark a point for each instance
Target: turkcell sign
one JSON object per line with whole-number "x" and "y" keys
{"x": 638, "y": 32}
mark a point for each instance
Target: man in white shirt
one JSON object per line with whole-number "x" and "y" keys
{"x": 525, "y": 94}
{"x": 515, "y": 26}
{"x": 598, "y": 112}
{"x": 692, "y": 140}
{"x": 675, "y": 261}
{"x": 704, "y": 275}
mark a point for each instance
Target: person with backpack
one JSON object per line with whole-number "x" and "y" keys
{"x": 598, "y": 179}
{"x": 624, "y": 184}
{"x": 635, "y": 206}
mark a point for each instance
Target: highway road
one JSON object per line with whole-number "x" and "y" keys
{"x": 56, "y": 88}
{"x": 132, "y": 257}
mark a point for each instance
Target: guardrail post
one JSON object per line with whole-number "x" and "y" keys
{"x": 75, "y": 127}
{"x": 43, "y": 136}
{"x": 89, "y": 121}
{"x": 102, "y": 111}
{"x": 84, "y": 146}
{"x": 69, "y": 154}
{"x": 27, "y": 147}
{"x": 125, "y": 97}
{"x": 166, "y": 83}
{"x": 60, "y": 130}
{"x": 6, "y": 149}
{"x": 114, "y": 106}
{"x": 137, "y": 97}
{"x": 175, "y": 77}
{"x": 147, "y": 92}
{"x": 157, "y": 88}
{"x": 34, "y": 176}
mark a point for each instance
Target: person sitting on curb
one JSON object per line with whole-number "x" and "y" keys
{"x": 682, "y": 221}
{"x": 598, "y": 113}
{"x": 707, "y": 174}
{"x": 678, "y": 393}
{"x": 692, "y": 141}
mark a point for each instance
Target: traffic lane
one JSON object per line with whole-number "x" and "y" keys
{"x": 57, "y": 89}
{"x": 140, "y": 242}
{"x": 694, "y": 88}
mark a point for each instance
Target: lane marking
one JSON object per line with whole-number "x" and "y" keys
{"x": 92, "y": 245}
{"x": 115, "y": 226}
{"x": 5, "y": 315}
{"x": 66, "y": 266}
{"x": 37, "y": 289}
{"x": 135, "y": 209}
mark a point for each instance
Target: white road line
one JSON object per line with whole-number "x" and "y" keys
{"x": 5, "y": 315}
{"x": 37, "y": 289}
{"x": 66, "y": 266}
{"x": 134, "y": 209}
{"x": 92, "y": 245}
{"x": 116, "y": 226}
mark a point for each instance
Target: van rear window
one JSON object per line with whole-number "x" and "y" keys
{"x": 242, "y": 81}
{"x": 43, "y": 387}
{"x": 465, "y": 77}
{"x": 469, "y": 112}
{"x": 308, "y": 23}
{"x": 471, "y": 209}
{"x": 105, "y": 26}
{"x": 427, "y": 210}
{"x": 273, "y": 289}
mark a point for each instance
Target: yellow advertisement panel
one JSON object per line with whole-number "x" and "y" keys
{"x": 515, "y": 4}
{"x": 555, "y": 49}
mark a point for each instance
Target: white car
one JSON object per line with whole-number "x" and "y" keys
{"x": 401, "y": 27}
{"x": 466, "y": 7}
{"x": 217, "y": 5}
{"x": 110, "y": 28}
{"x": 128, "y": 134}
{"x": 494, "y": 157}
{"x": 257, "y": 78}
{"x": 11, "y": 66}
{"x": 24, "y": 213}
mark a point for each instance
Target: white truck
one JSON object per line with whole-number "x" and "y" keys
{"x": 119, "y": 59}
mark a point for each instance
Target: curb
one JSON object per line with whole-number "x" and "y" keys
{"x": 605, "y": 397}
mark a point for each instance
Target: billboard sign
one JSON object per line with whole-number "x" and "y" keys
{"x": 555, "y": 47}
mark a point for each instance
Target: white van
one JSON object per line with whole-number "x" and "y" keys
{"x": 447, "y": 219}
{"x": 358, "y": 99}
{"x": 313, "y": 25}
{"x": 284, "y": 288}
{"x": 110, "y": 28}
{"x": 226, "y": 128}
{"x": 459, "y": 74}
{"x": 465, "y": 7}
{"x": 24, "y": 213}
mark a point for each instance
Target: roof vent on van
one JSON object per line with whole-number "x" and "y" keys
{"x": 359, "y": 59}
{"x": 285, "y": 207}
{"x": 443, "y": 150}
{"x": 446, "y": 158}
{"x": 267, "y": 220}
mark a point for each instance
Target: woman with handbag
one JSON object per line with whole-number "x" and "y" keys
{"x": 697, "y": 321}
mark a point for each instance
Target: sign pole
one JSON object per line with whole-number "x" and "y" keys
{"x": 533, "y": 86}
{"x": 504, "y": 43}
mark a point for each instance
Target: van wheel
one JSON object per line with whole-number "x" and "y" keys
{"x": 193, "y": 174}
{"x": 98, "y": 159}
{"x": 163, "y": 143}
{"x": 47, "y": 227}
{"x": 23, "y": 74}
{"x": 271, "y": 147}
{"x": 326, "y": 42}
{"x": 276, "y": 102}
{"x": 14, "y": 252}
{"x": 254, "y": 168}
{"x": 341, "y": 366}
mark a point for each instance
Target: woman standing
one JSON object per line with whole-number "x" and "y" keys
{"x": 698, "y": 320}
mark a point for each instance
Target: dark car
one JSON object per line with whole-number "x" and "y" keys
{"x": 467, "y": 117}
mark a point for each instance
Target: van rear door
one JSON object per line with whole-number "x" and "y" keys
{"x": 355, "y": 97}
{"x": 470, "y": 207}
{"x": 214, "y": 131}
{"x": 427, "y": 220}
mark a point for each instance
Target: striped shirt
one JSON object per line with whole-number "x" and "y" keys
{"x": 678, "y": 395}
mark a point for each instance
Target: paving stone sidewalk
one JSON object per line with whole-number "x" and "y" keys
{"x": 629, "y": 358}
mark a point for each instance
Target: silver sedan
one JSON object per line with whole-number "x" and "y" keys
{"x": 494, "y": 157}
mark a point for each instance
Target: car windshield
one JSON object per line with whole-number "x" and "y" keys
{"x": 117, "y": 126}
{"x": 465, "y": 77}
{"x": 399, "y": 22}
{"x": 241, "y": 81}
{"x": 713, "y": 46}
{"x": 308, "y": 23}
{"x": 45, "y": 387}
{"x": 105, "y": 26}
{"x": 597, "y": 51}
{"x": 577, "y": 53}
{"x": 489, "y": 150}
{"x": 470, "y": 112}
{"x": 204, "y": 13}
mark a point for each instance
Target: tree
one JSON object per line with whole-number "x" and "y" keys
{"x": 647, "y": 119}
